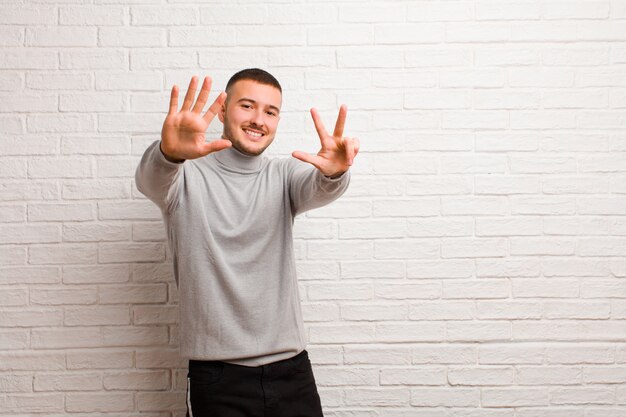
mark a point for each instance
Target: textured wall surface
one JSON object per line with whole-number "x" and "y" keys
{"x": 475, "y": 267}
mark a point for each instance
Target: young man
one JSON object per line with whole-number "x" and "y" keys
{"x": 229, "y": 211}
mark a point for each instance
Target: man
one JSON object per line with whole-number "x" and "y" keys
{"x": 229, "y": 212}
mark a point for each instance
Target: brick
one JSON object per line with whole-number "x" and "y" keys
{"x": 95, "y": 58}
{"x": 519, "y": 353}
{"x": 31, "y": 317}
{"x": 92, "y": 102}
{"x": 437, "y": 310}
{"x": 16, "y": 383}
{"x": 25, "y": 15}
{"x": 340, "y": 35}
{"x": 13, "y": 168}
{"x": 62, "y": 253}
{"x": 514, "y": 397}
{"x": 155, "y": 314}
{"x": 527, "y": 246}
{"x": 549, "y": 375}
{"x": 496, "y": 55}
{"x": 484, "y": 331}
{"x": 509, "y": 226}
{"x": 18, "y": 339}
{"x": 132, "y": 37}
{"x": 99, "y": 402}
{"x": 45, "y": 167}
{"x": 30, "y": 58}
{"x": 474, "y": 78}
{"x": 104, "y": 359}
{"x": 473, "y": 164}
{"x": 56, "y": 296}
{"x": 29, "y": 234}
{"x": 509, "y": 10}
{"x": 137, "y": 380}
{"x": 60, "y": 123}
{"x": 159, "y": 358}
{"x": 38, "y": 403}
{"x": 495, "y": 100}
{"x": 326, "y": 376}
{"x": 278, "y": 57}
{"x": 32, "y": 361}
{"x": 134, "y": 336}
{"x": 130, "y": 252}
{"x": 12, "y": 297}
{"x": 408, "y": 291}
{"x": 448, "y": 11}
{"x": 97, "y": 315}
{"x": 60, "y": 36}
{"x": 411, "y": 332}
{"x": 406, "y": 207}
{"x": 444, "y": 354}
{"x": 26, "y": 275}
{"x": 59, "y": 338}
{"x": 90, "y": 232}
{"x": 582, "y": 395}
{"x": 445, "y": 397}
{"x": 444, "y": 56}
{"x": 96, "y": 274}
{"x": 278, "y": 35}
{"x": 172, "y": 15}
{"x": 481, "y": 375}
{"x": 377, "y": 397}
{"x": 576, "y": 353}
{"x": 440, "y": 269}
{"x": 507, "y": 268}
{"x": 406, "y": 249}
{"x": 124, "y": 81}
{"x": 67, "y": 382}
{"x": 411, "y": 376}
{"x": 342, "y": 291}
{"x": 27, "y": 102}
{"x": 483, "y": 288}
{"x": 508, "y": 310}
{"x": 157, "y": 401}
{"x": 370, "y": 312}
{"x": 136, "y": 294}
{"x": 58, "y": 81}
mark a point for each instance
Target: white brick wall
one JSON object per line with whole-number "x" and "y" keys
{"x": 475, "y": 267}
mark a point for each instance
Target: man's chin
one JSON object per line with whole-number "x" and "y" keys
{"x": 248, "y": 150}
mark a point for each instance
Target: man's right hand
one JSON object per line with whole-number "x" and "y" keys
{"x": 182, "y": 135}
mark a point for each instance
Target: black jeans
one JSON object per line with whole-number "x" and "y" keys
{"x": 281, "y": 389}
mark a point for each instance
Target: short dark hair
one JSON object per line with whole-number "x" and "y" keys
{"x": 254, "y": 74}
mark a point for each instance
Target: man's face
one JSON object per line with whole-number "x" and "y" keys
{"x": 250, "y": 116}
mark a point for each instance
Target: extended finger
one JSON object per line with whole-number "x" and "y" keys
{"x": 357, "y": 146}
{"x": 215, "y": 107}
{"x": 319, "y": 126}
{"x": 341, "y": 121}
{"x": 191, "y": 93}
{"x": 173, "y": 100}
{"x": 203, "y": 96}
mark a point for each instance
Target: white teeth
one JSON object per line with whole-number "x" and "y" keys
{"x": 251, "y": 133}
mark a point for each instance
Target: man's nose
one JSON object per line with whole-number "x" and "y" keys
{"x": 257, "y": 118}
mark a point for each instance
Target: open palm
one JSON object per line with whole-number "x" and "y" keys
{"x": 182, "y": 135}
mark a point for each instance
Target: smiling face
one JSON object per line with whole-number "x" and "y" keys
{"x": 250, "y": 116}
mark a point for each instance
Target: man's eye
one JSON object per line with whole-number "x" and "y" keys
{"x": 246, "y": 106}
{"x": 271, "y": 113}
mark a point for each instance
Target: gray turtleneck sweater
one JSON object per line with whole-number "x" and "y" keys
{"x": 229, "y": 220}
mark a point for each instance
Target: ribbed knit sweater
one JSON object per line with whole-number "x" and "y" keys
{"x": 229, "y": 220}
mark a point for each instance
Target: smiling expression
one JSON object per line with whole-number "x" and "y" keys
{"x": 250, "y": 116}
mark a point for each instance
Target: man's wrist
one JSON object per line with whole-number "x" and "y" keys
{"x": 335, "y": 176}
{"x": 173, "y": 160}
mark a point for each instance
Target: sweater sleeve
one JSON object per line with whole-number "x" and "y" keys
{"x": 309, "y": 188}
{"x": 159, "y": 179}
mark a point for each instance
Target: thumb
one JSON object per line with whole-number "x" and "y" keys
{"x": 216, "y": 145}
{"x": 305, "y": 157}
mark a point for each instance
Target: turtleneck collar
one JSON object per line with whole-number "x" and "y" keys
{"x": 234, "y": 160}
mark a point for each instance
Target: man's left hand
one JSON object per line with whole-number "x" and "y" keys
{"x": 337, "y": 152}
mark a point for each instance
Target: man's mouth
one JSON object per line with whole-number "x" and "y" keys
{"x": 253, "y": 133}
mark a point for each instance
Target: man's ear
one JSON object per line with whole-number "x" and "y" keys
{"x": 220, "y": 113}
